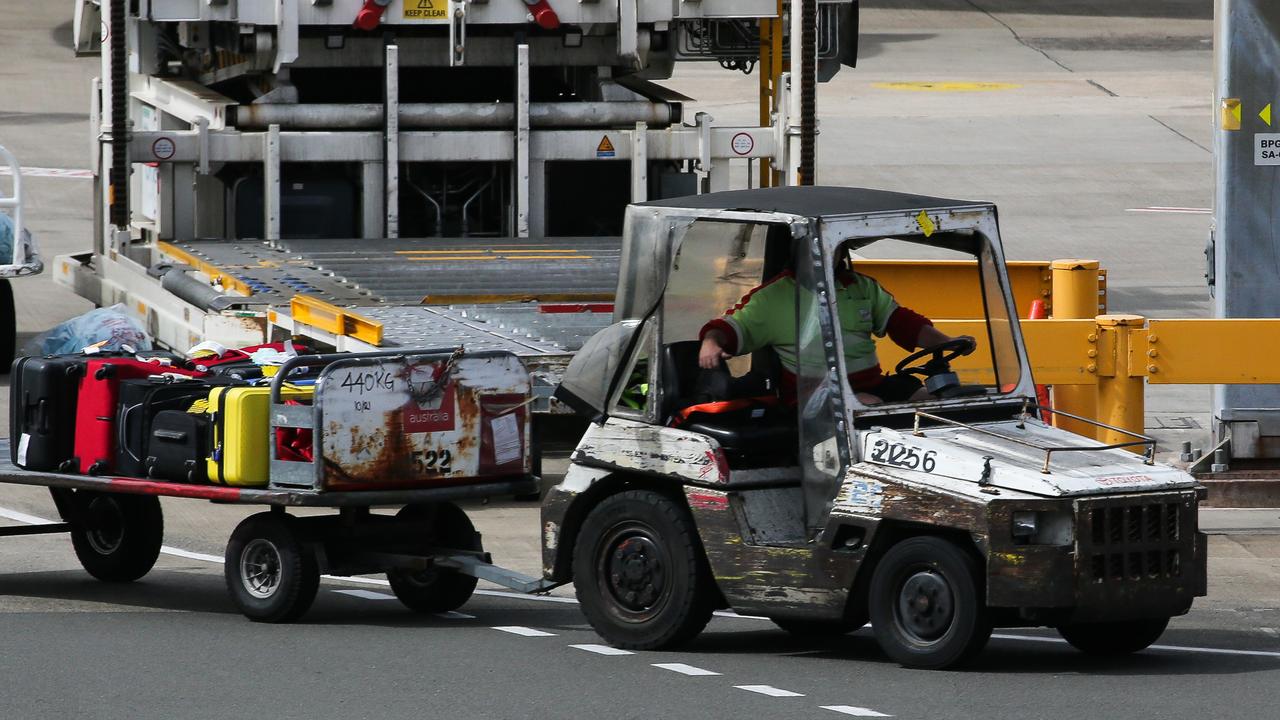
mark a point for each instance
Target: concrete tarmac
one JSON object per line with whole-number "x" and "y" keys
{"x": 1079, "y": 118}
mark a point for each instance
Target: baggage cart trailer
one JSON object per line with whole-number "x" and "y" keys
{"x": 419, "y": 429}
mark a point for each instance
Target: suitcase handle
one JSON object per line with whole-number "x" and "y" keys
{"x": 123, "y": 431}
{"x": 172, "y": 435}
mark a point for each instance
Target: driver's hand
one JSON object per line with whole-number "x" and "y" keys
{"x": 973, "y": 344}
{"x": 711, "y": 354}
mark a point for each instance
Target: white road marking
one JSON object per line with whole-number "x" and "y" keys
{"x": 684, "y": 669}
{"x": 366, "y": 594}
{"x": 455, "y": 615}
{"x": 50, "y": 172}
{"x": 523, "y": 631}
{"x": 769, "y": 690}
{"x": 1172, "y": 210}
{"x": 854, "y": 711}
{"x": 179, "y": 552}
{"x": 603, "y": 649}
{"x": 1173, "y": 648}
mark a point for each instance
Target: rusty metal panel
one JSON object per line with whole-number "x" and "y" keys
{"x": 422, "y": 421}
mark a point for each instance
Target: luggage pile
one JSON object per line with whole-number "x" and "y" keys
{"x": 153, "y": 415}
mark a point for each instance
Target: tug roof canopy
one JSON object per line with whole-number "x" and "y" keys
{"x": 814, "y": 202}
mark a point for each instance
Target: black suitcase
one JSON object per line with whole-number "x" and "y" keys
{"x": 178, "y": 448}
{"x": 140, "y": 402}
{"x": 42, "y": 410}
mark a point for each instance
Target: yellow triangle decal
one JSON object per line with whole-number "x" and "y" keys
{"x": 1266, "y": 114}
{"x": 1230, "y": 114}
{"x": 605, "y": 145}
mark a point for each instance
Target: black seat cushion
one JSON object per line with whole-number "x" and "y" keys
{"x": 752, "y": 437}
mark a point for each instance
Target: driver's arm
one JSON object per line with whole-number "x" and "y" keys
{"x": 930, "y": 336}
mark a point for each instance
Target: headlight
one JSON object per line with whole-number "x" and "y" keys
{"x": 1042, "y": 528}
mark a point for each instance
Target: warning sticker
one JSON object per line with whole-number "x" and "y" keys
{"x": 428, "y": 10}
{"x": 926, "y": 223}
{"x": 605, "y": 149}
{"x": 1266, "y": 149}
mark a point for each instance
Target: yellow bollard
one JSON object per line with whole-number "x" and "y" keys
{"x": 1120, "y": 394}
{"x": 1075, "y": 296}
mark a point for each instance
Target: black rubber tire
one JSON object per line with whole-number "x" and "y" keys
{"x": 658, "y": 541}
{"x": 817, "y": 628}
{"x": 116, "y": 537}
{"x": 271, "y": 574}
{"x": 1111, "y": 639}
{"x": 8, "y": 326}
{"x": 952, "y": 625}
{"x": 443, "y": 525}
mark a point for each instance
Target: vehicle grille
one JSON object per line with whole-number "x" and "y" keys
{"x": 1136, "y": 539}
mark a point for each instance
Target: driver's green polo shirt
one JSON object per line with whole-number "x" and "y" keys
{"x": 766, "y": 316}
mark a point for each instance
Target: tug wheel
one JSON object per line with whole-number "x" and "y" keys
{"x": 926, "y": 604}
{"x": 640, "y": 573}
{"x": 1114, "y": 638}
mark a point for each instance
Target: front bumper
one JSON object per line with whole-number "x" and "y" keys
{"x": 1134, "y": 556}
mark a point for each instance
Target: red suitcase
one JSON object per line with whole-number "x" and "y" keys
{"x": 98, "y": 406}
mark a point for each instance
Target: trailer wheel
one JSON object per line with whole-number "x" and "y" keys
{"x": 926, "y": 604}
{"x": 271, "y": 575}
{"x": 1114, "y": 638}
{"x": 443, "y": 525}
{"x": 640, "y": 573}
{"x": 116, "y": 537}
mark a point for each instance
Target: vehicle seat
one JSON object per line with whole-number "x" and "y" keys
{"x": 761, "y": 434}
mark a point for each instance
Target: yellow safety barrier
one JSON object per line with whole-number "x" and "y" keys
{"x": 317, "y": 313}
{"x": 1106, "y": 359}
{"x": 951, "y": 289}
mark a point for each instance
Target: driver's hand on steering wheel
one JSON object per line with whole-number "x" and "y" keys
{"x": 973, "y": 343}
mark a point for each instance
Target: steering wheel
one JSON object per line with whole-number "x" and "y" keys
{"x": 943, "y": 354}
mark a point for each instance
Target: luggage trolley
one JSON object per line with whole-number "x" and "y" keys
{"x": 415, "y": 429}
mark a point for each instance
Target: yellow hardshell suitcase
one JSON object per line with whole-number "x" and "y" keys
{"x": 241, "y": 453}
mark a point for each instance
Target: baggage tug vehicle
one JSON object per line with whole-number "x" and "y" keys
{"x": 936, "y": 520}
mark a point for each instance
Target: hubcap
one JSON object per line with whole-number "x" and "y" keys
{"x": 108, "y": 526}
{"x": 260, "y": 568}
{"x": 925, "y": 607}
{"x": 633, "y": 569}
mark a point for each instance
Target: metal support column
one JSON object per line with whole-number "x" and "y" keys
{"x": 1120, "y": 391}
{"x": 271, "y": 184}
{"x": 522, "y": 141}
{"x": 1244, "y": 249}
{"x": 372, "y": 195}
{"x": 391, "y": 155}
{"x": 640, "y": 163}
{"x": 1075, "y": 296}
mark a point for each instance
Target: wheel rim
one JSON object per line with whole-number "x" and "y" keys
{"x": 107, "y": 532}
{"x": 633, "y": 571}
{"x": 260, "y": 568}
{"x": 925, "y": 607}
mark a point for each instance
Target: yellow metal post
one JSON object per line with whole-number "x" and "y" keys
{"x": 1075, "y": 296}
{"x": 771, "y": 69}
{"x": 1120, "y": 389}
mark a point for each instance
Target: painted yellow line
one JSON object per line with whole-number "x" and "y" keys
{"x": 547, "y": 257}
{"x": 451, "y": 258}
{"x": 940, "y": 86}
{"x": 477, "y": 251}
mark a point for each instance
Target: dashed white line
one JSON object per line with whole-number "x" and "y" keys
{"x": 1172, "y": 210}
{"x": 523, "y": 631}
{"x": 1174, "y": 648}
{"x": 854, "y": 711}
{"x": 684, "y": 669}
{"x": 769, "y": 690}
{"x": 455, "y": 615}
{"x": 366, "y": 594}
{"x": 179, "y": 552}
{"x": 602, "y": 649}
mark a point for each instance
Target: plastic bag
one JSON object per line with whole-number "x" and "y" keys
{"x": 6, "y": 239}
{"x": 107, "y": 329}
